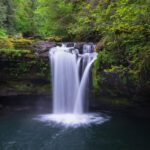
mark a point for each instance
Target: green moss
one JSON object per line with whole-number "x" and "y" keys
{"x": 15, "y": 43}
{"x": 13, "y": 53}
{"x": 54, "y": 39}
{"x": 115, "y": 80}
{"x": 5, "y": 43}
{"x": 22, "y": 43}
{"x": 24, "y": 87}
{"x": 112, "y": 69}
{"x": 25, "y": 76}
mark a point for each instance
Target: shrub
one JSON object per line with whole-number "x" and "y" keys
{"x": 2, "y": 33}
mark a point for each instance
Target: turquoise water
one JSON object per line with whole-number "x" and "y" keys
{"x": 20, "y": 131}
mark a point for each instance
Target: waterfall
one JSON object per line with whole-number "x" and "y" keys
{"x": 79, "y": 108}
{"x": 69, "y": 82}
{"x": 70, "y": 72}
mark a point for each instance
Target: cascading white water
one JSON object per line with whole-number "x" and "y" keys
{"x": 68, "y": 86}
{"x": 78, "y": 108}
{"x": 65, "y": 79}
{"x": 70, "y": 75}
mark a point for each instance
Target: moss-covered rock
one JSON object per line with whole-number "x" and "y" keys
{"x": 23, "y": 73}
{"x": 22, "y": 43}
{"x": 12, "y": 53}
{"x": 6, "y": 43}
{"x": 16, "y": 43}
{"x": 114, "y": 80}
{"x": 42, "y": 46}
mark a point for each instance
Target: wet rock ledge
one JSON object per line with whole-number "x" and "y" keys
{"x": 41, "y": 48}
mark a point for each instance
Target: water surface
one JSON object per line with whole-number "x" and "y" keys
{"x": 21, "y": 131}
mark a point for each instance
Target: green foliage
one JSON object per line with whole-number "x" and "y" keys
{"x": 144, "y": 71}
{"x": 2, "y": 13}
{"x": 121, "y": 28}
{"x": 22, "y": 43}
{"x": 125, "y": 27}
{"x": 53, "y": 17}
{"x": 79, "y": 19}
{"x": 3, "y": 33}
{"x": 36, "y": 17}
{"x": 12, "y": 53}
{"x": 6, "y": 43}
{"x": 25, "y": 16}
{"x": 15, "y": 43}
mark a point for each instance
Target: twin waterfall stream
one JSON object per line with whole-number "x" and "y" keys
{"x": 68, "y": 80}
{"x": 70, "y": 73}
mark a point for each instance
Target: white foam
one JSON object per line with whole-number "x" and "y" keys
{"x": 73, "y": 120}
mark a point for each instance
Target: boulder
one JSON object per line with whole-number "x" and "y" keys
{"x": 79, "y": 46}
{"x": 42, "y": 46}
{"x": 70, "y": 44}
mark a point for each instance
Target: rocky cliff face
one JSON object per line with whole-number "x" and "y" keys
{"x": 22, "y": 72}
{"x": 27, "y": 71}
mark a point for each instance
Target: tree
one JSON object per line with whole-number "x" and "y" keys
{"x": 2, "y": 13}
{"x": 25, "y": 16}
{"x": 53, "y": 17}
{"x": 10, "y": 16}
